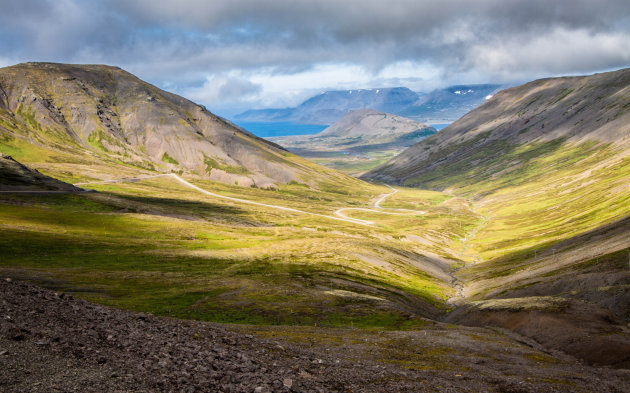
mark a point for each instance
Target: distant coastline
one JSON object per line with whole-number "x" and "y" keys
{"x": 271, "y": 129}
{"x": 439, "y": 126}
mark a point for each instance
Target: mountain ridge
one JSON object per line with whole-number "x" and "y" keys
{"x": 17, "y": 177}
{"x": 444, "y": 105}
{"x": 539, "y": 111}
{"x": 97, "y": 111}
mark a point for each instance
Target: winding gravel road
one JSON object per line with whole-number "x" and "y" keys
{"x": 338, "y": 213}
{"x": 239, "y": 200}
{"x": 377, "y": 205}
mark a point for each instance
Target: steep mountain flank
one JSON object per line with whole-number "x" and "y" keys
{"x": 517, "y": 125}
{"x": 546, "y": 166}
{"x": 83, "y": 112}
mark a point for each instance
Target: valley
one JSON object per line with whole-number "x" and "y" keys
{"x": 361, "y": 140}
{"x": 298, "y": 240}
{"x": 492, "y": 255}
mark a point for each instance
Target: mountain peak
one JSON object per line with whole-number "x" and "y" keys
{"x": 104, "y": 111}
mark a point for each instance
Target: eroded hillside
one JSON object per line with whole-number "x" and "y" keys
{"x": 94, "y": 114}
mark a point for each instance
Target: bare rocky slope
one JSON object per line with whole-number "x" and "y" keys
{"x": 95, "y": 112}
{"x": 53, "y": 342}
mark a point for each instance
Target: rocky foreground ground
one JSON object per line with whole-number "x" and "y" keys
{"x": 52, "y": 342}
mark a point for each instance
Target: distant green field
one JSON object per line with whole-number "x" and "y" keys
{"x": 355, "y": 164}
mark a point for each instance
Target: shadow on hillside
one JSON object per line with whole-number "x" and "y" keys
{"x": 179, "y": 206}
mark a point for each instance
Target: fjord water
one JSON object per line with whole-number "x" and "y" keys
{"x": 269, "y": 129}
{"x": 265, "y": 129}
{"x": 439, "y": 126}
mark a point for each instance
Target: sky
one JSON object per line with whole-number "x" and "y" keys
{"x": 232, "y": 55}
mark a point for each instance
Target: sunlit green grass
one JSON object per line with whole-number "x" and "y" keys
{"x": 546, "y": 192}
{"x": 353, "y": 164}
{"x": 561, "y": 204}
{"x": 159, "y": 247}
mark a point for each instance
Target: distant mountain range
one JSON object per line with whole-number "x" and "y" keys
{"x": 442, "y": 105}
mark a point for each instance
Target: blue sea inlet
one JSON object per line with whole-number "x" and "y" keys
{"x": 268, "y": 129}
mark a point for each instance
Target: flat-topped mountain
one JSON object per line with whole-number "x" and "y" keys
{"x": 100, "y": 112}
{"x": 361, "y": 137}
{"x": 372, "y": 123}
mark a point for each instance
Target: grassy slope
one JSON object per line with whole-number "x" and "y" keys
{"x": 92, "y": 114}
{"x": 533, "y": 187}
{"x": 159, "y": 247}
{"x": 557, "y": 191}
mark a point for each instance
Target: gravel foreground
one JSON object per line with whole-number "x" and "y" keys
{"x": 53, "y": 342}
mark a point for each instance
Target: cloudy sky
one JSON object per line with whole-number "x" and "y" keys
{"x": 236, "y": 54}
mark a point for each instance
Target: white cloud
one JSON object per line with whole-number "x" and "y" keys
{"x": 225, "y": 89}
{"x": 278, "y": 89}
{"x": 560, "y": 51}
{"x": 276, "y": 52}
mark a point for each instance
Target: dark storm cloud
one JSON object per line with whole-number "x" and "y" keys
{"x": 187, "y": 42}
